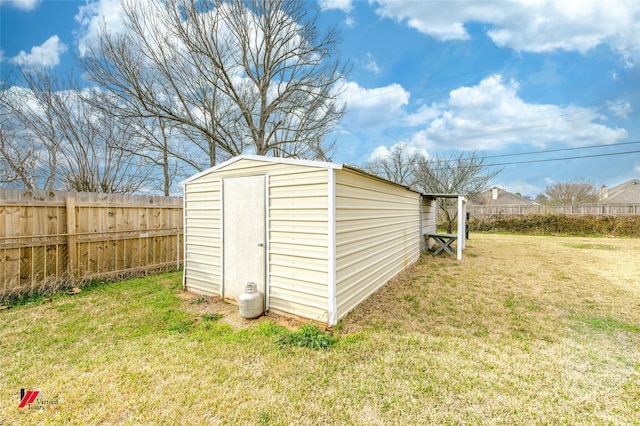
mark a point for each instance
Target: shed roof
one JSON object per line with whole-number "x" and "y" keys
{"x": 295, "y": 161}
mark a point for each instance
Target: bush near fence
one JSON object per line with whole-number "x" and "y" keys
{"x": 51, "y": 240}
{"x": 560, "y": 224}
{"x": 597, "y": 209}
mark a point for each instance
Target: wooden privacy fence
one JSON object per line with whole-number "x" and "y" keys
{"x": 480, "y": 211}
{"x": 49, "y": 239}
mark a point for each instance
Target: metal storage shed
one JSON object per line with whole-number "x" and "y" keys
{"x": 318, "y": 238}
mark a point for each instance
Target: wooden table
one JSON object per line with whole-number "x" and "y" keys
{"x": 444, "y": 242}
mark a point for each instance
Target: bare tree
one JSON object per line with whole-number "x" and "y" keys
{"x": 233, "y": 75}
{"x": 66, "y": 142}
{"x": 93, "y": 158}
{"x": 154, "y": 144}
{"x": 461, "y": 173}
{"x": 18, "y": 161}
{"x": 542, "y": 199}
{"x": 17, "y": 158}
{"x": 29, "y": 140}
{"x": 398, "y": 166}
{"x": 579, "y": 191}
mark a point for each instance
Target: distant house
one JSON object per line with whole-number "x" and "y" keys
{"x": 499, "y": 197}
{"x": 498, "y": 202}
{"x": 627, "y": 192}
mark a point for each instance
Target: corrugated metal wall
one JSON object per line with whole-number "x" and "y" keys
{"x": 298, "y": 242}
{"x": 202, "y": 229}
{"x": 297, "y": 267}
{"x": 429, "y": 219}
{"x": 378, "y": 234}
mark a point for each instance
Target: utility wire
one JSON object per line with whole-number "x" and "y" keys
{"x": 563, "y": 159}
{"x": 560, "y": 150}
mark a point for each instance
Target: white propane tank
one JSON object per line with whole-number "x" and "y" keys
{"x": 251, "y": 302}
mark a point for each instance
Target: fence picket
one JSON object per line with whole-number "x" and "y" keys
{"x": 483, "y": 211}
{"x": 52, "y": 238}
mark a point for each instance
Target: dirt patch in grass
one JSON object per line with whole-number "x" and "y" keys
{"x": 230, "y": 314}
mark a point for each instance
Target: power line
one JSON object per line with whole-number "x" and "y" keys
{"x": 563, "y": 159}
{"x": 562, "y": 149}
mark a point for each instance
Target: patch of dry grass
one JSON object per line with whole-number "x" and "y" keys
{"x": 532, "y": 330}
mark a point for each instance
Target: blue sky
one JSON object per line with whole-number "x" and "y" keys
{"x": 499, "y": 77}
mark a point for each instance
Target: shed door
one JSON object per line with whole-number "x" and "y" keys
{"x": 243, "y": 241}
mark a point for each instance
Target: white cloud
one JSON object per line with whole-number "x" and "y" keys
{"x": 423, "y": 115}
{"x": 45, "y": 55}
{"x": 344, "y": 5}
{"x": 382, "y": 152}
{"x": 372, "y": 65}
{"x": 93, "y": 16}
{"x": 26, "y": 5}
{"x": 491, "y": 115}
{"x": 349, "y": 21}
{"x": 368, "y": 108}
{"x": 525, "y": 25}
{"x": 620, "y": 108}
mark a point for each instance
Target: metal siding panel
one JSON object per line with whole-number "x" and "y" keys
{"x": 279, "y": 305}
{"x": 377, "y": 235}
{"x": 204, "y": 271}
{"x": 211, "y": 224}
{"x": 295, "y": 302}
{"x": 318, "y": 227}
{"x": 359, "y": 238}
{"x": 298, "y": 242}
{"x": 332, "y": 306}
{"x": 429, "y": 221}
{"x": 297, "y": 231}
{"x": 296, "y": 216}
{"x": 202, "y": 236}
{"x": 305, "y": 204}
{"x": 377, "y": 275}
{"x": 202, "y": 241}
{"x": 194, "y": 208}
{"x": 289, "y": 281}
{"x": 201, "y": 257}
{"x": 305, "y": 263}
{"x": 430, "y": 216}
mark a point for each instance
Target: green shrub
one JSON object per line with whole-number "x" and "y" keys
{"x": 559, "y": 224}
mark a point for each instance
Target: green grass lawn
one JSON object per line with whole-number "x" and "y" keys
{"x": 525, "y": 330}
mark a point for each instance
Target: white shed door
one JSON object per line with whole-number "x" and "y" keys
{"x": 243, "y": 241}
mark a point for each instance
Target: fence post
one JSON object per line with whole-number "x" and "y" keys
{"x": 72, "y": 248}
{"x": 177, "y": 249}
